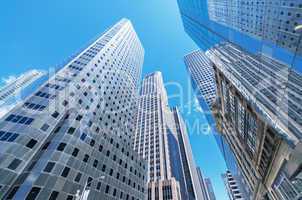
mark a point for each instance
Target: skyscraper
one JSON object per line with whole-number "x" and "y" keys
{"x": 201, "y": 71}
{"x": 231, "y": 186}
{"x": 259, "y": 114}
{"x": 73, "y": 135}
{"x": 210, "y": 189}
{"x": 204, "y": 188}
{"x": 13, "y": 92}
{"x": 202, "y": 74}
{"x": 274, "y": 21}
{"x": 18, "y": 84}
{"x": 161, "y": 138}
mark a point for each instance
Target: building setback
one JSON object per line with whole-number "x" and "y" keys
{"x": 161, "y": 138}
{"x": 78, "y": 134}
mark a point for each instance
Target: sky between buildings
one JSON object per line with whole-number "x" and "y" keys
{"x": 42, "y": 34}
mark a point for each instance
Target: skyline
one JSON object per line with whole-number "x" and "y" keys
{"x": 50, "y": 54}
{"x": 157, "y": 100}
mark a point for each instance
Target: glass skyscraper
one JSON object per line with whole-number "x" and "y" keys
{"x": 73, "y": 136}
{"x": 263, "y": 26}
{"x": 260, "y": 116}
{"x": 162, "y": 139}
{"x": 274, "y": 21}
{"x": 257, "y": 112}
{"x": 201, "y": 71}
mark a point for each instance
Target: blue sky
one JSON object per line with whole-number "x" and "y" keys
{"x": 42, "y": 34}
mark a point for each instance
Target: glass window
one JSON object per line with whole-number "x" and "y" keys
{"x": 65, "y": 172}
{"x": 31, "y": 143}
{"x": 33, "y": 193}
{"x": 49, "y": 167}
{"x": 14, "y": 164}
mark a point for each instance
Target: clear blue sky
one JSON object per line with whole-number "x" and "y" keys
{"x": 41, "y": 34}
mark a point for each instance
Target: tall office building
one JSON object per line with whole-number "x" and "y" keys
{"x": 210, "y": 189}
{"x": 161, "y": 138}
{"x": 201, "y": 71}
{"x": 259, "y": 114}
{"x": 16, "y": 90}
{"x": 231, "y": 186}
{"x": 204, "y": 188}
{"x": 274, "y": 21}
{"x": 202, "y": 75}
{"x": 18, "y": 84}
{"x": 73, "y": 135}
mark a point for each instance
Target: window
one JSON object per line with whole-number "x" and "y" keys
{"x": 104, "y": 168}
{"x": 19, "y": 119}
{"x": 71, "y": 130}
{"x": 33, "y": 193}
{"x": 12, "y": 193}
{"x": 65, "y": 103}
{"x": 75, "y": 152}
{"x": 86, "y": 157}
{"x": 53, "y": 195}
{"x": 55, "y": 114}
{"x": 69, "y": 197}
{"x": 79, "y": 117}
{"x": 98, "y": 187}
{"x": 31, "y": 143}
{"x": 65, "y": 172}
{"x": 89, "y": 181}
{"x": 92, "y": 142}
{"x": 78, "y": 177}
{"x": 49, "y": 167}
{"x": 101, "y": 148}
{"x": 107, "y": 189}
{"x": 7, "y": 136}
{"x": 61, "y": 147}
{"x": 95, "y": 163}
{"x": 44, "y": 127}
{"x": 83, "y": 136}
{"x": 14, "y": 164}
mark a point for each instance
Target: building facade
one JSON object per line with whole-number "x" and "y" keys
{"x": 16, "y": 90}
{"x": 74, "y": 134}
{"x": 204, "y": 188}
{"x": 274, "y": 21}
{"x": 202, "y": 74}
{"x": 18, "y": 84}
{"x": 210, "y": 189}
{"x": 231, "y": 186}
{"x": 259, "y": 114}
{"x": 161, "y": 138}
{"x": 201, "y": 71}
